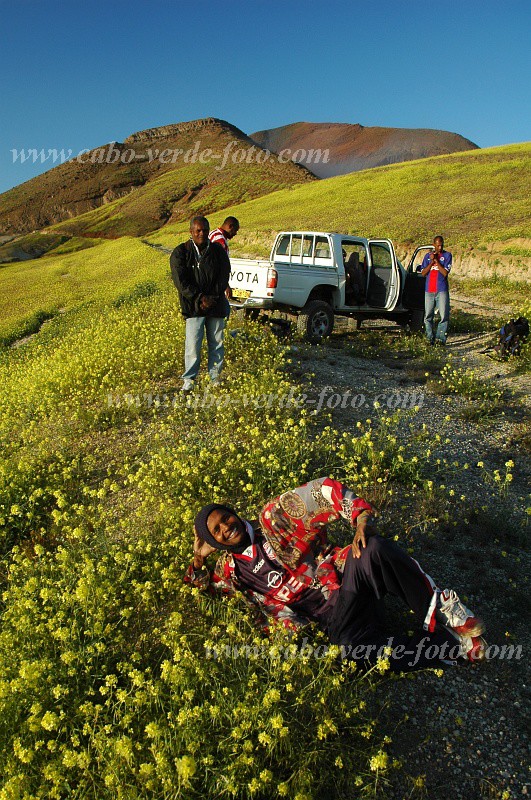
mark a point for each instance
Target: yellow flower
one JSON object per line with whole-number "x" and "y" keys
{"x": 382, "y": 665}
{"x": 50, "y": 721}
{"x": 379, "y": 761}
{"x": 186, "y": 768}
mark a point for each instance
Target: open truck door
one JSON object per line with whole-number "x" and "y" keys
{"x": 372, "y": 274}
{"x": 415, "y": 287}
{"x": 383, "y": 290}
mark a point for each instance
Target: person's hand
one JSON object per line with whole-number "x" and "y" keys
{"x": 201, "y": 550}
{"x": 228, "y": 293}
{"x": 365, "y": 527}
{"x": 206, "y": 302}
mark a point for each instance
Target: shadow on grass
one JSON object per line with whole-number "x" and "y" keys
{"x": 467, "y": 322}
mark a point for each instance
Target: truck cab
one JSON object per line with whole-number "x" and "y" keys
{"x": 314, "y": 275}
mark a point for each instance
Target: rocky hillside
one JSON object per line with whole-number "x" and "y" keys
{"x": 354, "y": 147}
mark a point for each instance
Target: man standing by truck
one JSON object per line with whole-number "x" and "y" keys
{"x": 221, "y": 236}
{"x": 435, "y": 268}
{"x": 227, "y": 231}
{"x": 200, "y": 270}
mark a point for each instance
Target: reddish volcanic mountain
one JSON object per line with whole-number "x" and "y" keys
{"x": 353, "y": 147}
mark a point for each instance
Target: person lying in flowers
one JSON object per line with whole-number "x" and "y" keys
{"x": 285, "y": 568}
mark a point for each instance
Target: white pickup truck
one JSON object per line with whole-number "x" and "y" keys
{"x": 314, "y": 276}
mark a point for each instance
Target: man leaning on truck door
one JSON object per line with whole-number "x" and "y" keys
{"x": 200, "y": 270}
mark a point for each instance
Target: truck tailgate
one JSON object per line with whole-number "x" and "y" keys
{"x": 248, "y": 277}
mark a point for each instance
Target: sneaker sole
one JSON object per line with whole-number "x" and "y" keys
{"x": 475, "y": 630}
{"x": 480, "y": 648}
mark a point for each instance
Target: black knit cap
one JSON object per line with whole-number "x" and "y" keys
{"x": 204, "y": 533}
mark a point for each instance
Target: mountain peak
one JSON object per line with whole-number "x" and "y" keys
{"x": 199, "y": 125}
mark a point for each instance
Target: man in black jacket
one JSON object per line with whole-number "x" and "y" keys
{"x": 200, "y": 270}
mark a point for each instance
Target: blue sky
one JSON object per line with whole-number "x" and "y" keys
{"x": 80, "y": 74}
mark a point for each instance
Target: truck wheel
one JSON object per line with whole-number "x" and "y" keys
{"x": 315, "y": 321}
{"x": 416, "y": 319}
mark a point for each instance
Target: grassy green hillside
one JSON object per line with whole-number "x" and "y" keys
{"x": 35, "y": 245}
{"x": 106, "y": 690}
{"x": 33, "y": 291}
{"x": 473, "y": 198}
{"x": 104, "y": 681}
{"x": 478, "y": 199}
{"x": 179, "y": 194}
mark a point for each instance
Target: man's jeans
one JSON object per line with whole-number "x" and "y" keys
{"x": 441, "y": 301}
{"x": 195, "y": 330}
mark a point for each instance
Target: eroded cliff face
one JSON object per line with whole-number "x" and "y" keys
{"x": 197, "y": 125}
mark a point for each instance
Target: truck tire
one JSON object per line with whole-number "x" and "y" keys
{"x": 416, "y": 320}
{"x": 315, "y": 321}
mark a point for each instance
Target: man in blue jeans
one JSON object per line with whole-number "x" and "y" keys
{"x": 435, "y": 268}
{"x": 200, "y": 270}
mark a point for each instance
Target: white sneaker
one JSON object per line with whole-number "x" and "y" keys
{"x": 452, "y": 613}
{"x": 188, "y": 386}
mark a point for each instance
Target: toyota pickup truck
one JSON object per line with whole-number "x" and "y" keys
{"x": 314, "y": 276}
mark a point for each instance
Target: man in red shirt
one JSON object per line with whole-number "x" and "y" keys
{"x": 288, "y": 573}
{"x": 435, "y": 268}
{"x": 221, "y": 236}
{"x": 227, "y": 231}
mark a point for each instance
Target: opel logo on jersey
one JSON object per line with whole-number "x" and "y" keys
{"x": 274, "y": 579}
{"x": 268, "y": 550}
